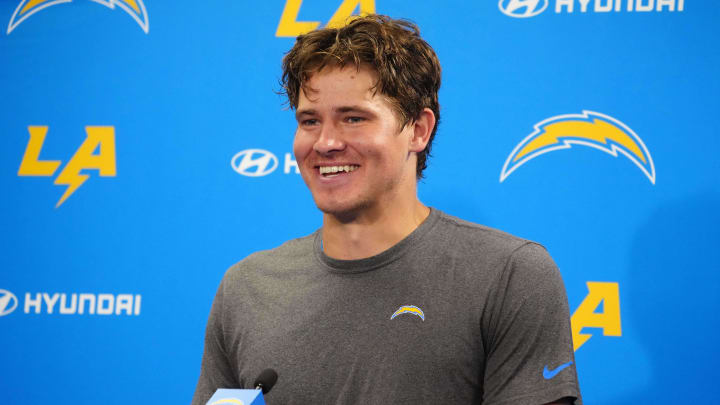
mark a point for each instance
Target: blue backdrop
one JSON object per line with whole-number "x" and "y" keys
{"x": 144, "y": 151}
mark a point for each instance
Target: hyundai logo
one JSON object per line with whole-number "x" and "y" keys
{"x": 254, "y": 162}
{"x": 522, "y": 8}
{"x": 8, "y": 302}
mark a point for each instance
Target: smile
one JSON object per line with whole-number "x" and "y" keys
{"x": 330, "y": 170}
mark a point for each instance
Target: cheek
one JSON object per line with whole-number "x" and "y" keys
{"x": 302, "y": 146}
{"x": 391, "y": 148}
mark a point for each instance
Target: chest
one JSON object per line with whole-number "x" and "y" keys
{"x": 368, "y": 336}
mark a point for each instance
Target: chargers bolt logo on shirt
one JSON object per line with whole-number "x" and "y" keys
{"x": 8, "y": 302}
{"x": 409, "y": 309}
{"x": 26, "y": 8}
{"x": 100, "y": 139}
{"x": 522, "y": 8}
{"x": 591, "y": 129}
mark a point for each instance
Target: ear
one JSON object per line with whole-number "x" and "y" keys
{"x": 422, "y": 128}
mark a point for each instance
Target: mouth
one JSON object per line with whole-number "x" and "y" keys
{"x": 334, "y": 171}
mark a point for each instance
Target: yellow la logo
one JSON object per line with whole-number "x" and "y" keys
{"x": 585, "y": 316}
{"x": 98, "y": 138}
{"x": 290, "y": 27}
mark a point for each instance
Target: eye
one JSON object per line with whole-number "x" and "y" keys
{"x": 354, "y": 120}
{"x": 309, "y": 122}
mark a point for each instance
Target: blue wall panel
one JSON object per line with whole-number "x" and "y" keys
{"x": 165, "y": 96}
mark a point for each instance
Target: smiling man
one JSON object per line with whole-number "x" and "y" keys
{"x": 390, "y": 302}
{"x": 359, "y": 160}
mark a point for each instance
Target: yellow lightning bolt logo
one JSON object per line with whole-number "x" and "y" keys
{"x": 26, "y": 8}
{"x": 409, "y": 309}
{"x": 591, "y": 129}
{"x": 102, "y": 138}
{"x": 98, "y": 138}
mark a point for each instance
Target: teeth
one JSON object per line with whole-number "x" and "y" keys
{"x": 335, "y": 169}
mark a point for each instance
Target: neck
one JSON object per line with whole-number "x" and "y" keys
{"x": 372, "y": 231}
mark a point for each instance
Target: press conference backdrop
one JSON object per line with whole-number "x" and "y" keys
{"x": 145, "y": 150}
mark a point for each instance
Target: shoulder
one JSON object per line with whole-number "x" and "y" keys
{"x": 292, "y": 253}
{"x": 291, "y": 249}
{"x": 488, "y": 240}
{"x": 495, "y": 251}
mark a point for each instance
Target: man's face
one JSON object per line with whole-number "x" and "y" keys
{"x": 349, "y": 146}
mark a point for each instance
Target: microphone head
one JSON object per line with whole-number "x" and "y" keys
{"x": 266, "y": 380}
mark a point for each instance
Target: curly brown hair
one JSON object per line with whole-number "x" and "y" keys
{"x": 408, "y": 69}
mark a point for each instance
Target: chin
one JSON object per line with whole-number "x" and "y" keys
{"x": 341, "y": 209}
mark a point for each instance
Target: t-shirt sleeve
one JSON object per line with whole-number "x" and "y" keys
{"x": 529, "y": 351}
{"x": 216, "y": 371}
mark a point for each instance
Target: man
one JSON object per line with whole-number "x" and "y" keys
{"x": 390, "y": 302}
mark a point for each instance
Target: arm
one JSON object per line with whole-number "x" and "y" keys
{"x": 563, "y": 401}
{"x": 216, "y": 371}
{"x": 529, "y": 351}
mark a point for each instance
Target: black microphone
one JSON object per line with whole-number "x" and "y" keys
{"x": 266, "y": 380}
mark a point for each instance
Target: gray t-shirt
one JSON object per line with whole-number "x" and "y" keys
{"x": 455, "y": 313}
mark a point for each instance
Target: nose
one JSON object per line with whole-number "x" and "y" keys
{"x": 329, "y": 141}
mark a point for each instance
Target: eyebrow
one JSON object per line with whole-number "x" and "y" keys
{"x": 300, "y": 113}
{"x": 351, "y": 108}
{"x": 341, "y": 110}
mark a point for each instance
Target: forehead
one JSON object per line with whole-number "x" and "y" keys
{"x": 334, "y": 84}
